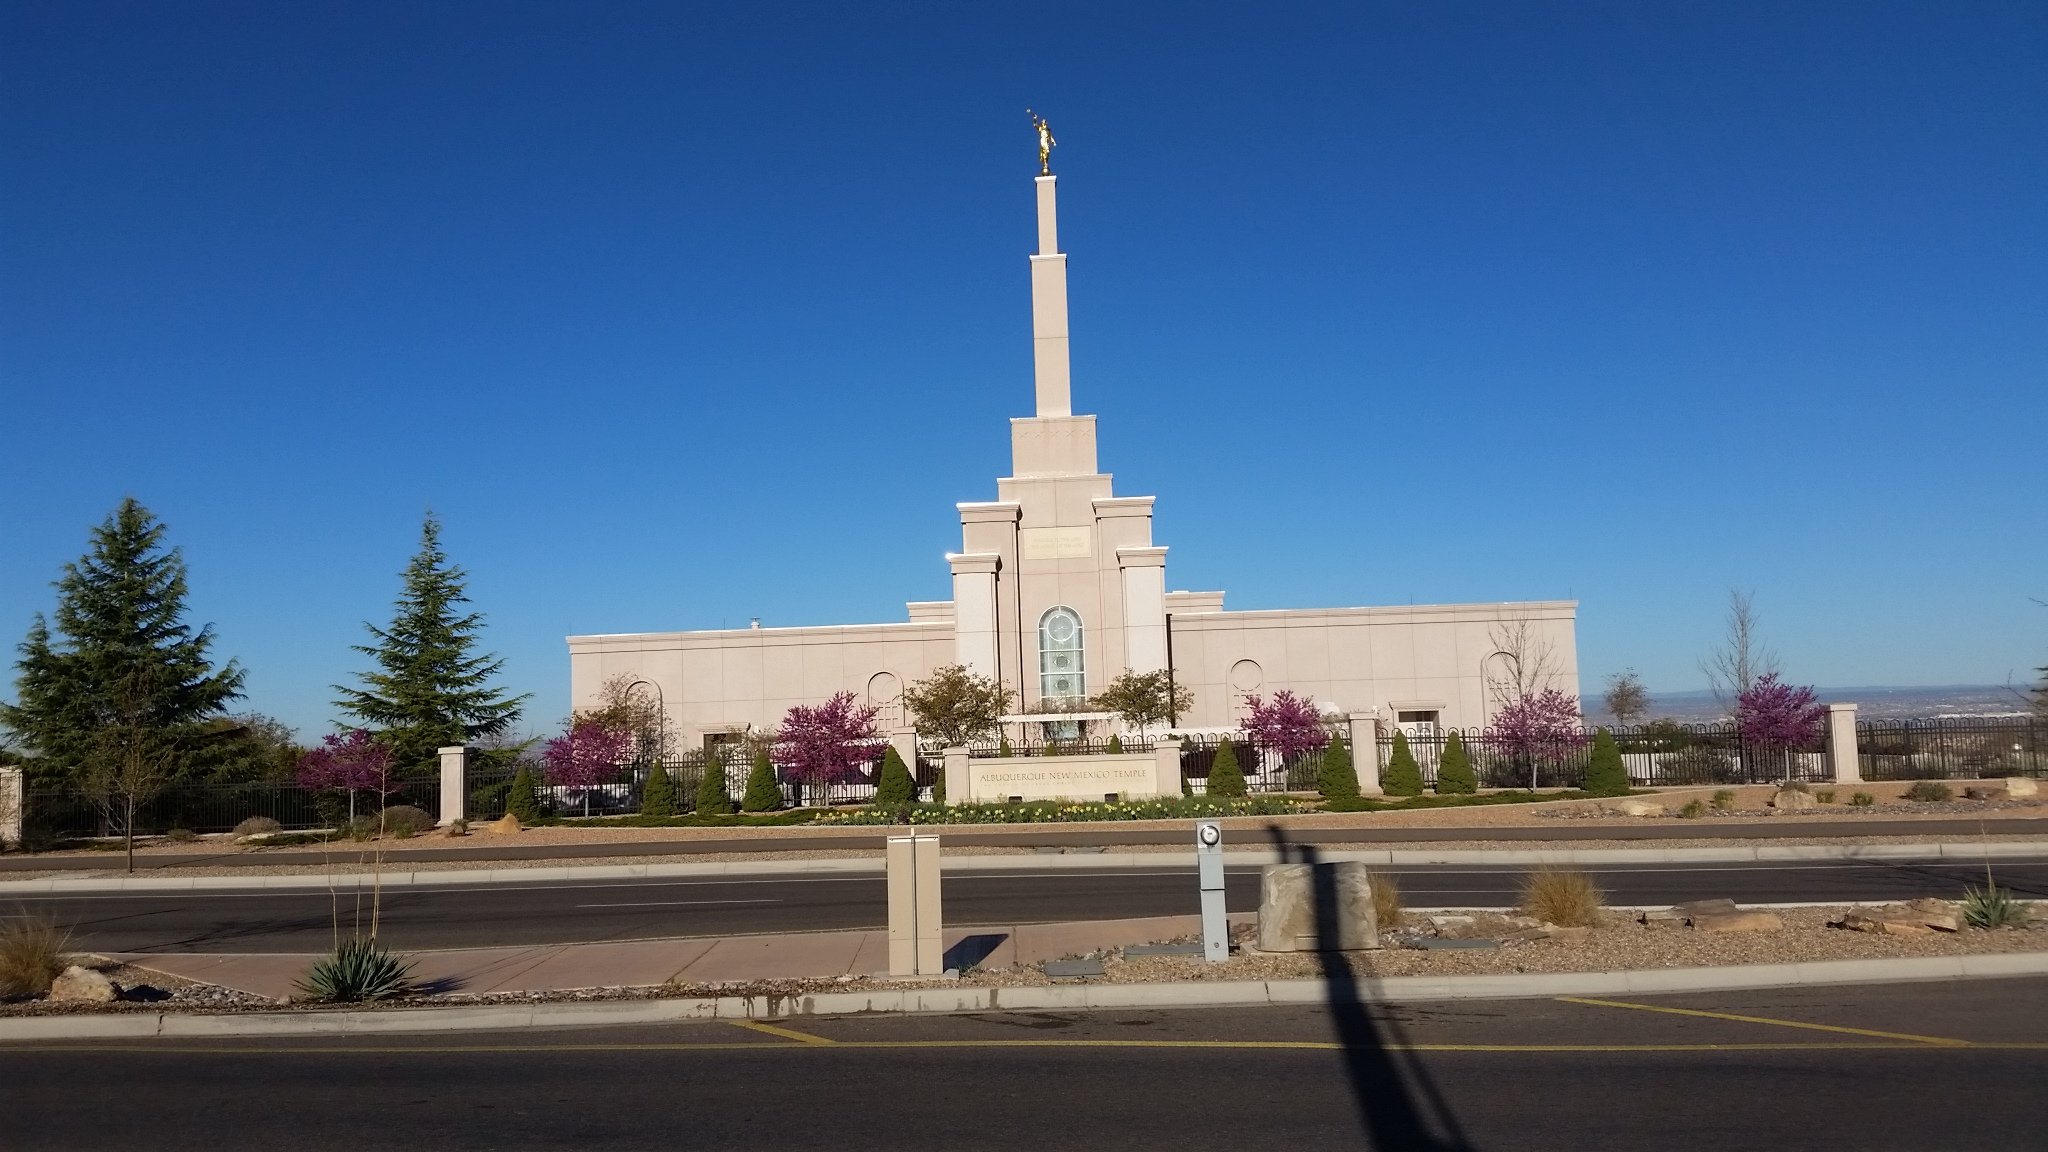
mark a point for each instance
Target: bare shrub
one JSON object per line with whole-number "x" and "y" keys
{"x": 1386, "y": 900}
{"x": 31, "y": 955}
{"x": 404, "y": 820}
{"x": 1565, "y": 897}
{"x": 257, "y": 826}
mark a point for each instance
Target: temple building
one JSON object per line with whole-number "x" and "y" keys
{"x": 1058, "y": 586}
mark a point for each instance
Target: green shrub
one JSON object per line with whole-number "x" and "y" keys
{"x": 762, "y": 794}
{"x": 894, "y": 788}
{"x": 1403, "y": 776}
{"x": 712, "y": 797}
{"x": 1226, "y": 779}
{"x": 1824, "y": 796}
{"x": 404, "y": 820}
{"x": 1003, "y": 747}
{"x": 1862, "y": 800}
{"x": 1606, "y": 775}
{"x": 1056, "y": 811}
{"x": 1336, "y": 779}
{"x": 1693, "y": 809}
{"x": 658, "y": 795}
{"x": 523, "y": 798}
{"x": 939, "y": 788}
{"x": 1990, "y": 906}
{"x": 360, "y": 969}
{"x": 181, "y": 836}
{"x": 1116, "y": 744}
{"x": 1929, "y": 791}
{"x": 31, "y": 955}
{"x": 1454, "y": 768}
{"x": 1724, "y": 800}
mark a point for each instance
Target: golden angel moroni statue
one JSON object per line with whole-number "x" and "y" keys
{"x": 1045, "y": 142}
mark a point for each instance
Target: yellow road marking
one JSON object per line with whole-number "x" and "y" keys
{"x": 819, "y": 1042}
{"x": 785, "y": 1033}
{"x": 1940, "y": 1041}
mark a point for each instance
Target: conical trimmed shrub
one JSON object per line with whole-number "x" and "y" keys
{"x": 762, "y": 793}
{"x": 1116, "y": 744}
{"x": 1403, "y": 776}
{"x": 1454, "y": 769}
{"x": 523, "y": 798}
{"x": 1003, "y": 747}
{"x": 1337, "y": 779}
{"x": 1225, "y": 777}
{"x": 1606, "y": 775}
{"x": 895, "y": 788}
{"x": 712, "y": 797}
{"x": 658, "y": 795}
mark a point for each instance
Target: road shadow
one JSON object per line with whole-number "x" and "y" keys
{"x": 1399, "y": 1104}
{"x": 972, "y": 950}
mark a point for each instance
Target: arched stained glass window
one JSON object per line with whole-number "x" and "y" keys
{"x": 1060, "y": 671}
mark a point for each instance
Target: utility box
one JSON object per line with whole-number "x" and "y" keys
{"x": 915, "y": 927}
{"x": 1209, "y": 865}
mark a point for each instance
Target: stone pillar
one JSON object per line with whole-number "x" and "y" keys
{"x": 1049, "y": 310}
{"x": 1143, "y": 571}
{"x": 974, "y": 612}
{"x": 1166, "y": 773}
{"x": 904, "y": 741}
{"x": 454, "y": 783}
{"x": 1842, "y": 754}
{"x": 959, "y": 785}
{"x": 915, "y": 947}
{"x": 13, "y": 807}
{"x": 1365, "y": 752}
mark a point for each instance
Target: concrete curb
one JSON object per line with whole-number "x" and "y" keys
{"x": 1103, "y": 861}
{"x": 1393, "y": 989}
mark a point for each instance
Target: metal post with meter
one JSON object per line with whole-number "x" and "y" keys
{"x": 1209, "y": 858}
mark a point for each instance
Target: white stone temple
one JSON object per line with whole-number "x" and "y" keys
{"x": 1058, "y": 586}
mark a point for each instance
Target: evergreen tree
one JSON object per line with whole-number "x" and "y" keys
{"x": 523, "y": 798}
{"x": 712, "y": 797}
{"x": 1003, "y": 747}
{"x": 1403, "y": 776}
{"x": 895, "y": 787}
{"x": 1225, "y": 777}
{"x": 1454, "y": 769}
{"x": 1116, "y": 744}
{"x": 125, "y": 676}
{"x": 762, "y": 793}
{"x": 429, "y": 688}
{"x": 1336, "y": 779}
{"x": 1606, "y": 775}
{"x": 658, "y": 797}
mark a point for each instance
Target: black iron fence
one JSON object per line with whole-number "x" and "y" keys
{"x": 1653, "y": 754}
{"x": 983, "y": 749}
{"x": 67, "y": 811}
{"x": 1265, "y": 769}
{"x": 1960, "y": 749}
{"x": 623, "y": 793}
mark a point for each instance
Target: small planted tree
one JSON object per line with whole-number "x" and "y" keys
{"x": 1626, "y": 698}
{"x": 1337, "y": 779}
{"x": 713, "y": 798}
{"x": 1141, "y": 699}
{"x": 658, "y": 796}
{"x": 353, "y": 761}
{"x": 895, "y": 788}
{"x": 1116, "y": 744}
{"x": 827, "y": 744}
{"x": 955, "y": 706}
{"x": 1287, "y": 724}
{"x": 1003, "y": 747}
{"x": 587, "y": 755}
{"x": 1454, "y": 768}
{"x": 1403, "y": 776}
{"x": 1606, "y": 775}
{"x": 1774, "y": 719}
{"x": 763, "y": 794}
{"x": 522, "y": 799}
{"x": 1225, "y": 777}
{"x": 1540, "y": 730}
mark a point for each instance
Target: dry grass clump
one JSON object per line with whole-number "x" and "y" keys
{"x": 31, "y": 955}
{"x": 1386, "y": 900}
{"x": 1565, "y": 897}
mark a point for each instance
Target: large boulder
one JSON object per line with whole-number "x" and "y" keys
{"x": 76, "y": 985}
{"x": 1792, "y": 800}
{"x": 1738, "y": 922}
{"x": 1939, "y": 915}
{"x": 503, "y": 825}
{"x": 1316, "y": 907}
{"x": 2021, "y": 788}
{"x": 1636, "y": 808}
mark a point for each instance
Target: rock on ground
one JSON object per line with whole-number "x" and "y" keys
{"x": 83, "y": 985}
{"x": 1792, "y": 800}
{"x": 507, "y": 823}
{"x": 1738, "y": 922}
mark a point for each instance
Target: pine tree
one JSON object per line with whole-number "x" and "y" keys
{"x": 1454, "y": 769}
{"x": 124, "y": 665}
{"x": 429, "y": 688}
{"x": 1225, "y": 778}
{"x": 762, "y": 793}
{"x": 1003, "y": 747}
{"x": 522, "y": 799}
{"x": 1606, "y": 775}
{"x": 1403, "y": 776}
{"x": 1336, "y": 779}
{"x": 895, "y": 787}
{"x": 658, "y": 797}
{"x": 712, "y": 797}
{"x": 1116, "y": 744}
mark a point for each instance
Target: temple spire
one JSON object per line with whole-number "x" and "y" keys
{"x": 1049, "y": 309}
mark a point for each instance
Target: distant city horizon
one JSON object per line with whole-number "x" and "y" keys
{"x": 1874, "y": 701}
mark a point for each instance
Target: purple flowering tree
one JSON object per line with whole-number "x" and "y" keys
{"x": 587, "y": 755}
{"x": 828, "y": 744}
{"x": 1541, "y": 729}
{"x": 1774, "y": 718}
{"x": 1287, "y": 724}
{"x": 355, "y": 761}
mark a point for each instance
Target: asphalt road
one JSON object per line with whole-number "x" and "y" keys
{"x": 1887, "y": 1068}
{"x": 481, "y": 848}
{"x": 483, "y": 915}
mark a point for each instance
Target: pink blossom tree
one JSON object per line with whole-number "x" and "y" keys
{"x": 1287, "y": 724}
{"x": 1543, "y": 728}
{"x": 587, "y": 755}
{"x": 827, "y": 744}
{"x": 354, "y": 761}
{"x": 1774, "y": 718}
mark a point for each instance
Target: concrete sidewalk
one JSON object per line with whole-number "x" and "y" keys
{"x": 632, "y": 963}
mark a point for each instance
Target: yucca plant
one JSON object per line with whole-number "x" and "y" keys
{"x": 358, "y": 969}
{"x": 1990, "y": 906}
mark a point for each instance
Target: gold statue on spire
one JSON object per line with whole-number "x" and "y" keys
{"x": 1045, "y": 142}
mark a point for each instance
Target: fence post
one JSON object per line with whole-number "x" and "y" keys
{"x": 1365, "y": 752}
{"x": 959, "y": 787}
{"x": 13, "y": 802}
{"x": 904, "y": 740}
{"x": 1166, "y": 778}
{"x": 1842, "y": 744}
{"x": 454, "y": 783}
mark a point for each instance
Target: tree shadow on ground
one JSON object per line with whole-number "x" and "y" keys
{"x": 1399, "y": 1104}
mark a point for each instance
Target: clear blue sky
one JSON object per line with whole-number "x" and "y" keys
{"x": 680, "y": 318}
